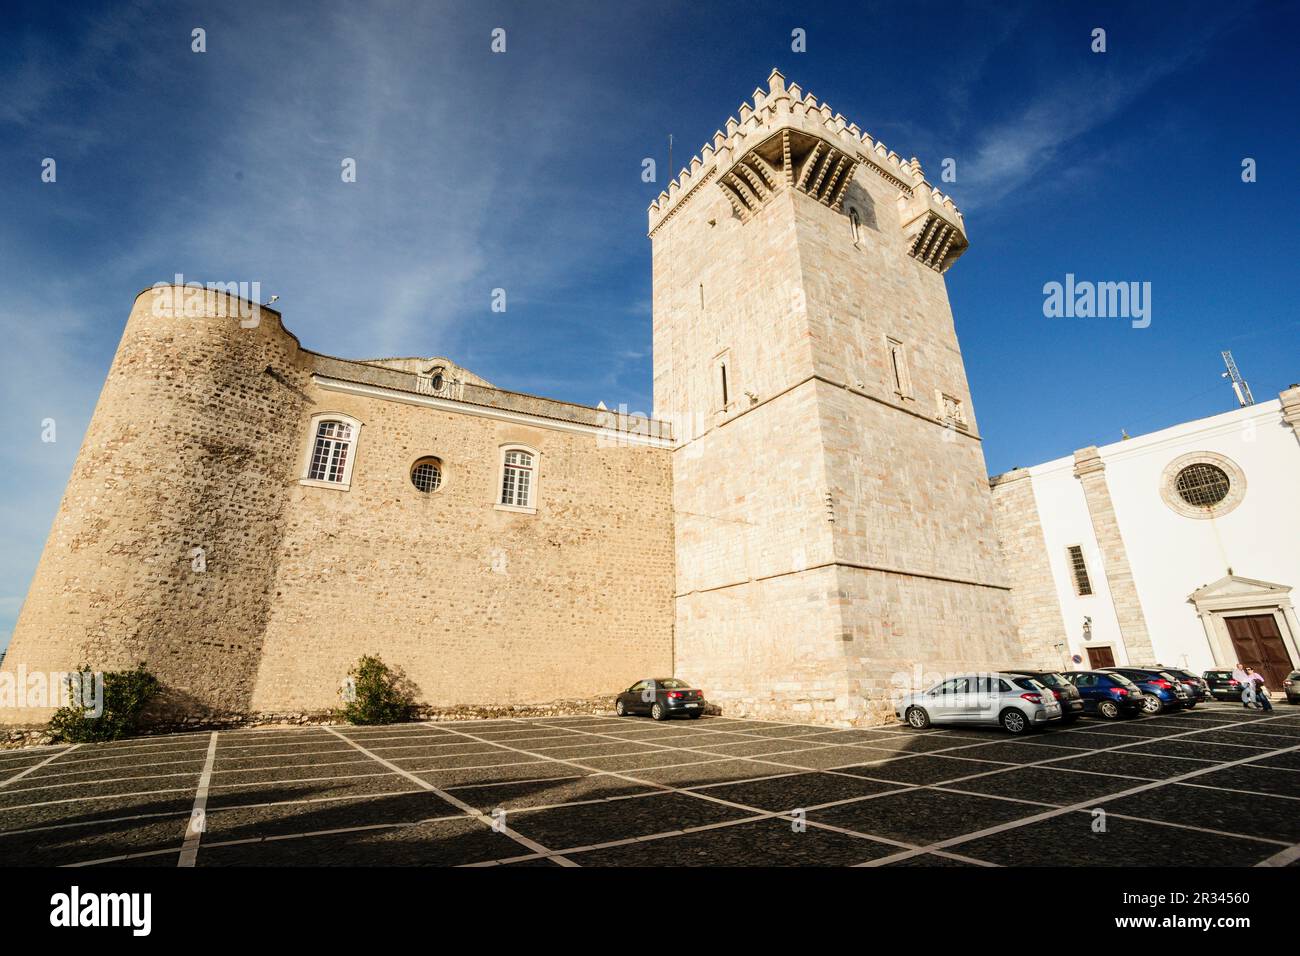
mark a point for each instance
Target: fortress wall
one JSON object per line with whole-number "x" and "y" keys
{"x": 186, "y": 449}
{"x": 902, "y": 631}
{"x": 478, "y": 605}
{"x": 766, "y": 648}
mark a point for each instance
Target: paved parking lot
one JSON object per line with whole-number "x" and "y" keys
{"x": 1217, "y": 785}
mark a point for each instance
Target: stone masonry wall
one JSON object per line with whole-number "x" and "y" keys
{"x": 478, "y": 605}
{"x": 186, "y": 449}
{"x": 1024, "y": 550}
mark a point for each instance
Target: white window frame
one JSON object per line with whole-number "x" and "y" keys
{"x": 345, "y": 483}
{"x": 534, "y": 481}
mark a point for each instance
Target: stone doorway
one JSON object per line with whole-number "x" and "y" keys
{"x": 1252, "y": 622}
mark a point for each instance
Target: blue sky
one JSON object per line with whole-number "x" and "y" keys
{"x": 522, "y": 171}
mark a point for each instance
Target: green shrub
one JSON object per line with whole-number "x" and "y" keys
{"x": 377, "y": 694}
{"x": 126, "y": 694}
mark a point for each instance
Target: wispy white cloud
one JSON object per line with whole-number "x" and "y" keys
{"x": 1034, "y": 141}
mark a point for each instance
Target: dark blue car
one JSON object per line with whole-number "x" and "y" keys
{"x": 1107, "y": 695}
{"x": 1160, "y": 689}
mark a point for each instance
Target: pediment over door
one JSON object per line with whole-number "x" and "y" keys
{"x": 1234, "y": 591}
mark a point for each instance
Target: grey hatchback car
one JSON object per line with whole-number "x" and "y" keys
{"x": 1013, "y": 702}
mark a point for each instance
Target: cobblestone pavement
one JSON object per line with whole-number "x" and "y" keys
{"x": 1214, "y": 785}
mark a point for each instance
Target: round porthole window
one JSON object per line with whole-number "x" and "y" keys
{"x": 426, "y": 475}
{"x": 1202, "y": 484}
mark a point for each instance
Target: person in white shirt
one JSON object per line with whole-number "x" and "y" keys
{"x": 1245, "y": 683}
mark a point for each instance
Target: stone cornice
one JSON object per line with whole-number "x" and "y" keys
{"x": 608, "y": 426}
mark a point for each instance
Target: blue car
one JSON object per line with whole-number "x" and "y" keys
{"x": 1160, "y": 689}
{"x": 1107, "y": 695}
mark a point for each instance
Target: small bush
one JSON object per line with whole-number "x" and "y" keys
{"x": 377, "y": 694}
{"x": 126, "y": 694}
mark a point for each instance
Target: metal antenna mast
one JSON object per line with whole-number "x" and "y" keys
{"x": 1239, "y": 385}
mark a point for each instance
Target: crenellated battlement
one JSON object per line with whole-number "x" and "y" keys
{"x": 785, "y": 137}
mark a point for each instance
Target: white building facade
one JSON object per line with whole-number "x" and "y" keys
{"x": 1179, "y": 548}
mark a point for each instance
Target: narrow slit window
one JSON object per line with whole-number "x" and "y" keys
{"x": 898, "y": 368}
{"x": 855, "y": 225}
{"x": 724, "y": 385}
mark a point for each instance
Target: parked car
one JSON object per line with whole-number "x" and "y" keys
{"x": 1292, "y": 687}
{"x": 1108, "y": 695}
{"x": 1062, "y": 690}
{"x": 661, "y": 698}
{"x": 1160, "y": 689}
{"x": 1222, "y": 686}
{"x": 1011, "y": 701}
{"x": 1196, "y": 687}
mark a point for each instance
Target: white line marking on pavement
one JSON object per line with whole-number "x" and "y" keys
{"x": 1081, "y": 805}
{"x": 198, "y": 815}
{"x": 37, "y": 766}
{"x": 455, "y": 801}
{"x": 1283, "y": 858}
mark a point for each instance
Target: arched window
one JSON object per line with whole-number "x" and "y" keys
{"x": 855, "y": 225}
{"x": 332, "y": 451}
{"x": 518, "y": 478}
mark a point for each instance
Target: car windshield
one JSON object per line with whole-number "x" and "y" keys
{"x": 1052, "y": 680}
{"x": 672, "y": 683}
{"x": 1221, "y": 675}
{"x": 1123, "y": 681}
{"x": 1168, "y": 676}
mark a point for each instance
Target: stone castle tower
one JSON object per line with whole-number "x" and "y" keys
{"x": 833, "y": 520}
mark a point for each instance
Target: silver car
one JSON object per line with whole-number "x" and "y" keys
{"x": 1011, "y": 701}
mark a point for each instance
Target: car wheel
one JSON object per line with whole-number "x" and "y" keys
{"x": 1013, "y": 721}
{"x": 917, "y": 717}
{"x": 1152, "y": 704}
{"x": 1190, "y": 704}
{"x": 620, "y": 709}
{"x": 657, "y": 712}
{"x": 1108, "y": 709}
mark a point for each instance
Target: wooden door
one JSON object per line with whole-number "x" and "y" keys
{"x": 1258, "y": 644}
{"x": 1102, "y": 657}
